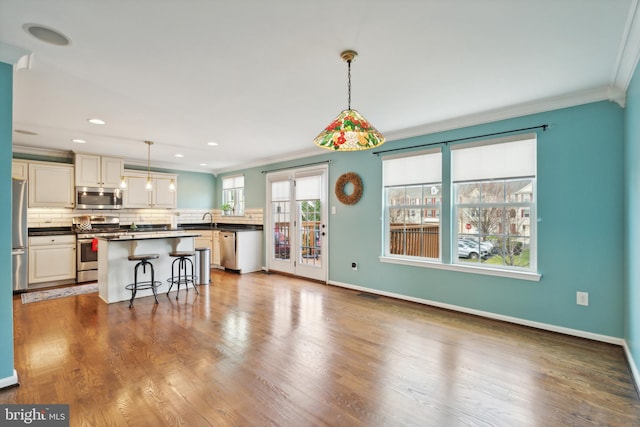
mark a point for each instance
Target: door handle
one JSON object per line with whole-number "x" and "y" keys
{"x": 17, "y": 252}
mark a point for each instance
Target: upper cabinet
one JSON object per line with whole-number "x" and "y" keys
{"x": 135, "y": 195}
{"x": 97, "y": 171}
{"x": 51, "y": 185}
{"x": 19, "y": 169}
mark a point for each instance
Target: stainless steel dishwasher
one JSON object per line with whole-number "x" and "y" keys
{"x": 228, "y": 258}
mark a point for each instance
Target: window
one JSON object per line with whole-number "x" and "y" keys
{"x": 494, "y": 203}
{"x": 233, "y": 193}
{"x": 488, "y": 208}
{"x": 412, "y": 200}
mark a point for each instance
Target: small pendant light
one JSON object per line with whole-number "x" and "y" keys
{"x": 148, "y": 187}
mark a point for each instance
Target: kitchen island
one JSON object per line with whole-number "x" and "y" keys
{"x": 115, "y": 271}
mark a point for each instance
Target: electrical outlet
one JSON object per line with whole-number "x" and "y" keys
{"x": 354, "y": 265}
{"x": 582, "y": 298}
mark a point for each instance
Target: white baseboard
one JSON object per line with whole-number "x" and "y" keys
{"x": 487, "y": 314}
{"x": 632, "y": 365}
{"x": 9, "y": 381}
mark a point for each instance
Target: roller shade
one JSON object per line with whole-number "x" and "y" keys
{"x": 497, "y": 159}
{"x": 424, "y": 168}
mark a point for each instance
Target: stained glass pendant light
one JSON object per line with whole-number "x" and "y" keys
{"x": 349, "y": 131}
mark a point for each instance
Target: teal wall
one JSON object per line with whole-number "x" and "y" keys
{"x": 580, "y": 228}
{"x": 632, "y": 223}
{"x": 196, "y": 190}
{"x": 6, "y": 271}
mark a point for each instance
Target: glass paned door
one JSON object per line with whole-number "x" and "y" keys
{"x": 297, "y": 217}
{"x": 281, "y": 220}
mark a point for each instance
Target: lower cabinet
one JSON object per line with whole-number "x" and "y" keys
{"x": 205, "y": 241}
{"x": 215, "y": 253}
{"x": 210, "y": 239}
{"x": 52, "y": 258}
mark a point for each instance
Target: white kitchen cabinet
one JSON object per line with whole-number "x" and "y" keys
{"x": 210, "y": 239}
{"x": 97, "y": 171}
{"x": 52, "y": 258}
{"x": 215, "y": 252}
{"x": 51, "y": 185}
{"x": 160, "y": 196}
{"x": 205, "y": 241}
{"x": 19, "y": 169}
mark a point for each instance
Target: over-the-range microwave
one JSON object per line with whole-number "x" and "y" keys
{"x": 98, "y": 198}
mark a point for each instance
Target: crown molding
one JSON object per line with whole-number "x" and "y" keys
{"x": 311, "y": 152}
{"x": 10, "y": 54}
{"x": 629, "y": 52}
{"x": 605, "y": 93}
{"x": 37, "y": 151}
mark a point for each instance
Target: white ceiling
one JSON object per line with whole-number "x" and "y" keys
{"x": 262, "y": 78}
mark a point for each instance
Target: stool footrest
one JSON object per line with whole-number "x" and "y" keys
{"x": 143, "y": 285}
{"x": 182, "y": 279}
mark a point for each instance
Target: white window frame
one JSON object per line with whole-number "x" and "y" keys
{"x": 449, "y": 236}
{"x": 422, "y": 178}
{"x": 233, "y": 193}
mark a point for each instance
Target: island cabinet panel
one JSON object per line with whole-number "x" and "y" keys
{"x": 98, "y": 171}
{"x": 52, "y": 258}
{"x": 51, "y": 185}
{"x": 115, "y": 271}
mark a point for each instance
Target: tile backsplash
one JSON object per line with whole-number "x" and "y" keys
{"x": 62, "y": 217}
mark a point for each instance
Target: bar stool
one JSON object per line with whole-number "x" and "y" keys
{"x": 181, "y": 257}
{"x": 143, "y": 261}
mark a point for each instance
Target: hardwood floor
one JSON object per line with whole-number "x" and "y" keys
{"x": 260, "y": 349}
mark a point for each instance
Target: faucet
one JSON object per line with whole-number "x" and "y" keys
{"x": 210, "y": 218}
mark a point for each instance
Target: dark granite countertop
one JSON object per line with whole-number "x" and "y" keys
{"x": 49, "y": 231}
{"x": 135, "y": 235}
{"x": 220, "y": 227}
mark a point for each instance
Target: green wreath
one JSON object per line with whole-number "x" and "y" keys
{"x": 354, "y": 179}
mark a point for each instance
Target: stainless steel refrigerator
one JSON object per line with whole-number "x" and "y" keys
{"x": 20, "y": 240}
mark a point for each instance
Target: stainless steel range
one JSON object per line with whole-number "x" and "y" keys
{"x": 87, "y": 229}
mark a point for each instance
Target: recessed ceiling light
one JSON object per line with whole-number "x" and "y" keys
{"x": 25, "y": 132}
{"x": 203, "y": 164}
{"x": 46, "y": 34}
{"x": 96, "y": 121}
{"x": 179, "y": 155}
{"x": 212, "y": 143}
{"x": 78, "y": 141}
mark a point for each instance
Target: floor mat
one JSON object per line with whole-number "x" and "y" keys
{"x": 58, "y": 293}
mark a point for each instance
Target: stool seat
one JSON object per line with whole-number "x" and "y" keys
{"x": 143, "y": 261}
{"x": 181, "y": 253}
{"x": 143, "y": 257}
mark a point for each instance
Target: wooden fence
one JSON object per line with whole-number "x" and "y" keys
{"x": 420, "y": 240}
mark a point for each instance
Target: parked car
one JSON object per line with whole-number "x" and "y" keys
{"x": 465, "y": 251}
{"x": 470, "y": 249}
{"x": 486, "y": 245}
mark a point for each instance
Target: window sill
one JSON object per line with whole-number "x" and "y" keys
{"x": 512, "y": 274}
